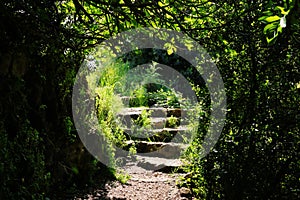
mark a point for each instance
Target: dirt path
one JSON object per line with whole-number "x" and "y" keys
{"x": 143, "y": 184}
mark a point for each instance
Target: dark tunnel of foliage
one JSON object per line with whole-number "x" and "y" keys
{"x": 43, "y": 43}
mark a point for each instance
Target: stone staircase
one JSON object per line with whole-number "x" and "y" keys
{"x": 159, "y": 146}
{"x": 160, "y": 142}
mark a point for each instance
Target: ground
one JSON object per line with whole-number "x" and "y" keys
{"x": 143, "y": 184}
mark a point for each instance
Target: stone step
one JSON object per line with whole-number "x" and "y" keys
{"x": 159, "y": 117}
{"x": 134, "y": 112}
{"x": 126, "y": 99}
{"x": 161, "y": 135}
{"x": 158, "y": 163}
{"x": 156, "y": 122}
{"x": 158, "y": 149}
{"x": 157, "y": 112}
{"x": 144, "y": 164}
{"x": 169, "y": 122}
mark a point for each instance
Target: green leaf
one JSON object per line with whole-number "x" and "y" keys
{"x": 225, "y": 42}
{"x": 273, "y": 38}
{"x": 170, "y": 51}
{"x": 279, "y": 29}
{"x": 282, "y": 10}
{"x": 262, "y": 18}
{"x": 267, "y": 12}
{"x": 270, "y": 40}
{"x": 270, "y": 27}
{"x": 75, "y": 170}
{"x": 160, "y": 4}
{"x": 272, "y": 18}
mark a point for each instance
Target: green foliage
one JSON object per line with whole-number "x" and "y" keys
{"x": 108, "y": 104}
{"x": 139, "y": 97}
{"x": 165, "y": 97}
{"x": 143, "y": 120}
{"x": 122, "y": 177}
{"x": 39, "y": 58}
{"x": 259, "y": 90}
{"x": 276, "y": 23}
{"x": 22, "y": 165}
{"x": 44, "y": 42}
{"x": 172, "y": 121}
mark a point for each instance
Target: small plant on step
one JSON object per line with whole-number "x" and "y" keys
{"x": 172, "y": 122}
{"x": 139, "y": 97}
{"x": 143, "y": 120}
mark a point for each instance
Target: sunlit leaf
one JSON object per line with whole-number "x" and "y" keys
{"x": 272, "y": 18}
{"x": 269, "y": 27}
{"x": 160, "y": 4}
{"x": 262, "y": 18}
{"x": 268, "y": 13}
{"x": 269, "y": 40}
{"x": 225, "y": 42}
{"x": 170, "y": 51}
{"x": 282, "y": 10}
{"x": 279, "y": 29}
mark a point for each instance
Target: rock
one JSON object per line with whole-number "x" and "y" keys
{"x": 157, "y": 163}
{"x": 185, "y": 191}
{"x": 158, "y": 112}
{"x": 158, "y": 149}
{"x": 158, "y": 122}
